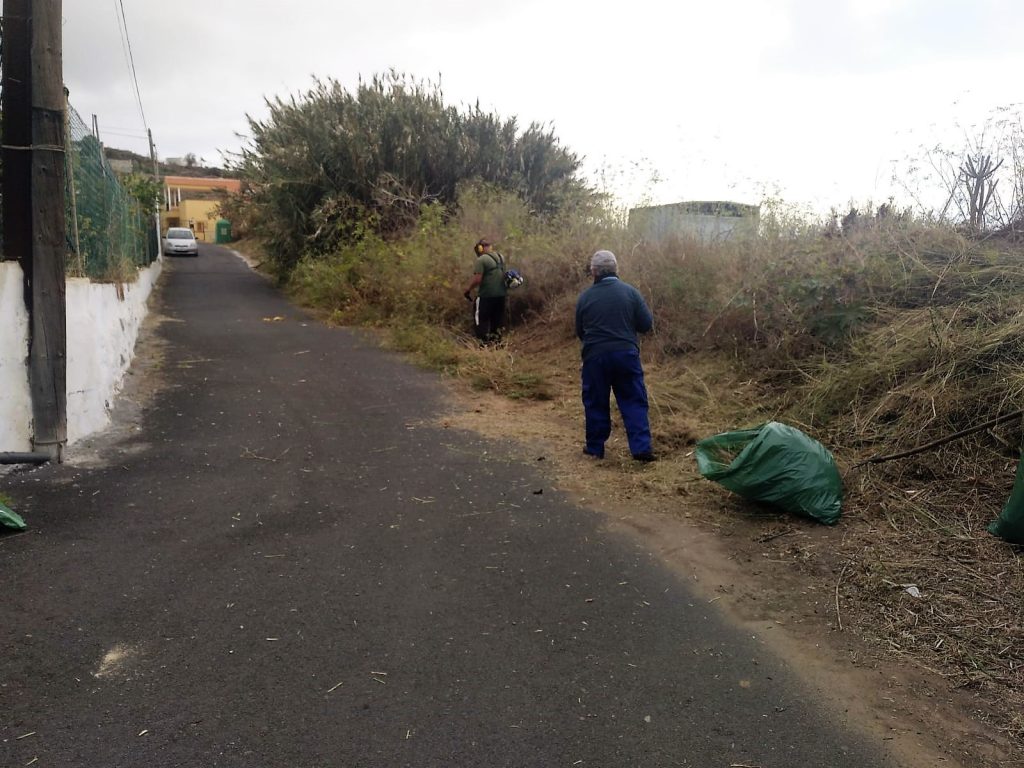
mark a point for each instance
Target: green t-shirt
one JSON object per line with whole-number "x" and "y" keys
{"x": 492, "y": 267}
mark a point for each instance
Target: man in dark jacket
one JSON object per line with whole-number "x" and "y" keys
{"x": 609, "y": 315}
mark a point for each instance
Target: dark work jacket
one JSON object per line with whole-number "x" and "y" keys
{"x": 609, "y": 315}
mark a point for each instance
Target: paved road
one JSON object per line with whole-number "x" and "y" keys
{"x": 287, "y": 565}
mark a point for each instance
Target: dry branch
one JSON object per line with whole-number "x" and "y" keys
{"x": 942, "y": 440}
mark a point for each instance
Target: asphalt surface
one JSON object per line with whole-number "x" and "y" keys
{"x": 289, "y": 564}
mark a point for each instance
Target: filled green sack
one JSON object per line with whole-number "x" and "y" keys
{"x": 9, "y": 519}
{"x": 1010, "y": 523}
{"x": 776, "y": 464}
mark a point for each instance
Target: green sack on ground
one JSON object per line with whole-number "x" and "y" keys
{"x": 1010, "y": 523}
{"x": 776, "y": 464}
{"x": 10, "y": 520}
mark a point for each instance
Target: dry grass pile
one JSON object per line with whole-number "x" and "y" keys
{"x": 923, "y": 576}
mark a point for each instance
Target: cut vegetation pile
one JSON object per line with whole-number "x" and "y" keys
{"x": 937, "y": 364}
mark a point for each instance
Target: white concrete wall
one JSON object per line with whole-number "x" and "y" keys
{"x": 707, "y": 222}
{"x": 102, "y": 329}
{"x": 103, "y": 323}
{"x": 15, "y": 400}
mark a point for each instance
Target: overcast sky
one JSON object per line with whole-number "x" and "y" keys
{"x": 733, "y": 99}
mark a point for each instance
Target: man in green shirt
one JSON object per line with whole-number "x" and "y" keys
{"x": 489, "y": 280}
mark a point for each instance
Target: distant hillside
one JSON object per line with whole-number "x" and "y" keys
{"x": 119, "y": 157}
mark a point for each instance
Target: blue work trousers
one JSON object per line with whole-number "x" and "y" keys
{"x": 619, "y": 372}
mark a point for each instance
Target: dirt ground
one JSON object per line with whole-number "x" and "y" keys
{"x": 778, "y": 575}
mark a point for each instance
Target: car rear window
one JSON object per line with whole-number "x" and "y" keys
{"x": 180, "y": 234}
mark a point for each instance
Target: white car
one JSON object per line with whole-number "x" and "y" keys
{"x": 180, "y": 241}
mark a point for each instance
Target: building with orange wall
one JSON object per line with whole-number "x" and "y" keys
{"x": 191, "y": 201}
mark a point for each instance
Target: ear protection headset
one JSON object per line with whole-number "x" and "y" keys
{"x": 479, "y": 247}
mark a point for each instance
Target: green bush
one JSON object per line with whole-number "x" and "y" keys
{"x": 326, "y": 168}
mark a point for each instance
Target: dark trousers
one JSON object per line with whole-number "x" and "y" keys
{"x": 621, "y": 373}
{"x": 488, "y": 317}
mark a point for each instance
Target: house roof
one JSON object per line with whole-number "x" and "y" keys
{"x": 197, "y": 182}
{"x": 721, "y": 208}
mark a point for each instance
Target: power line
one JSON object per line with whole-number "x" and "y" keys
{"x": 124, "y": 129}
{"x": 124, "y": 45}
{"x": 122, "y": 22}
{"x": 124, "y": 50}
{"x": 125, "y": 134}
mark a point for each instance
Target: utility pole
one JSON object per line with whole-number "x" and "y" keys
{"x": 33, "y": 139}
{"x": 48, "y": 348}
{"x": 156, "y": 178}
{"x": 152, "y": 155}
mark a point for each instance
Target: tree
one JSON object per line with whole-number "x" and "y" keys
{"x": 376, "y": 154}
{"x": 147, "y": 190}
{"x": 976, "y": 178}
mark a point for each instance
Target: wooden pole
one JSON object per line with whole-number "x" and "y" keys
{"x": 48, "y": 346}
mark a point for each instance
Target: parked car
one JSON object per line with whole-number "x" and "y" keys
{"x": 180, "y": 241}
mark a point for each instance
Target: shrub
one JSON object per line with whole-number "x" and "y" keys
{"x": 328, "y": 166}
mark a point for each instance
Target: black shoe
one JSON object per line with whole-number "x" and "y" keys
{"x": 592, "y": 455}
{"x": 648, "y": 456}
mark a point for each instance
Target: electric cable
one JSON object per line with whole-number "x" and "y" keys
{"x": 122, "y": 22}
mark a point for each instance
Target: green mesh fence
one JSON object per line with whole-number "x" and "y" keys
{"x": 108, "y": 234}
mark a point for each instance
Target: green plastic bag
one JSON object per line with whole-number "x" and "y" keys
{"x": 10, "y": 520}
{"x": 776, "y": 464}
{"x": 1010, "y": 523}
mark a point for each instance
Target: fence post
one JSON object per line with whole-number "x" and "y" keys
{"x": 73, "y": 199}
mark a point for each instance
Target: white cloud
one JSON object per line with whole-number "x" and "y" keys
{"x": 721, "y": 99}
{"x": 875, "y": 11}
